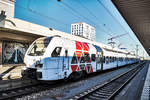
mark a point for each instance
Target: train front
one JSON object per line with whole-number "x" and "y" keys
{"x": 34, "y": 57}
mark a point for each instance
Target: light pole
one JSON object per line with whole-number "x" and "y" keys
{"x": 137, "y": 50}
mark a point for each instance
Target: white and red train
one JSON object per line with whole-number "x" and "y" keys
{"x": 54, "y": 58}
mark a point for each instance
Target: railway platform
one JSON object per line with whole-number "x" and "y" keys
{"x": 138, "y": 87}
{"x": 146, "y": 88}
{"x": 11, "y": 71}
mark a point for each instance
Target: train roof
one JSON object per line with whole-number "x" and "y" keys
{"x": 102, "y": 46}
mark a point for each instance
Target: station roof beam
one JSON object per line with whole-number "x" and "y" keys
{"x": 136, "y": 13}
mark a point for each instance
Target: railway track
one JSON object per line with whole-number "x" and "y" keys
{"x": 108, "y": 90}
{"x": 36, "y": 87}
{"x": 13, "y": 93}
{"x": 19, "y": 91}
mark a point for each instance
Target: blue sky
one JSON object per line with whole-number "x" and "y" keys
{"x": 60, "y": 16}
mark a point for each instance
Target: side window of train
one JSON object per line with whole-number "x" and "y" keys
{"x": 110, "y": 59}
{"x": 107, "y": 60}
{"x": 93, "y": 57}
{"x": 98, "y": 59}
{"x": 66, "y": 53}
{"x": 113, "y": 59}
{"x": 101, "y": 59}
{"x": 87, "y": 57}
{"x": 119, "y": 58}
{"x": 82, "y": 60}
{"x": 74, "y": 59}
{"x": 104, "y": 60}
{"x": 56, "y": 52}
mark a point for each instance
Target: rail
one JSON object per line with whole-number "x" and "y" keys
{"x": 109, "y": 89}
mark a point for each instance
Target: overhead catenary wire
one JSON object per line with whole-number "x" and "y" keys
{"x": 92, "y": 14}
{"x": 70, "y": 12}
{"x": 86, "y": 8}
{"x": 55, "y": 20}
{"x": 42, "y": 15}
{"x": 83, "y": 17}
{"x": 58, "y": 21}
{"x": 134, "y": 41}
{"x": 114, "y": 18}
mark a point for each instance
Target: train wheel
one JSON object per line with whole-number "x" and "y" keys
{"x": 84, "y": 74}
{"x": 75, "y": 76}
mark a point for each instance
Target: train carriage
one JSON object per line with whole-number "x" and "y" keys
{"x": 54, "y": 58}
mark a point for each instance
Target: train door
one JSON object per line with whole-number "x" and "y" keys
{"x": 65, "y": 66}
{"x": 93, "y": 61}
{"x": 98, "y": 57}
{"x": 98, "y": 61}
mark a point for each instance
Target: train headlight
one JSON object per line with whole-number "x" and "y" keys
{"x": 39, "y": 65}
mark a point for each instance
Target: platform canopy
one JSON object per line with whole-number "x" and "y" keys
{"x": 16, "y": 35}
{"x": 137, "y": 15}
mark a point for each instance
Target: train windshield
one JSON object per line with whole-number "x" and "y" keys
{"x": 39, "y": 47}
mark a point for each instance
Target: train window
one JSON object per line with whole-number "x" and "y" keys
{"x": 39, "y": 47}
{"x": 125, "y": 59}
{"x": 101, "y": 59}
{"x": 110, "y": 59}
{"x": 74, "y": 59}
{"x": 98, "y": 60}
{"x": 56, "y": 52}
{"x": 87, "y": 57}
{"x": 119, "y": 58}
{"x": 104, "y": 59}
{"x": 82, "y": 60}
{"x": 113, "y": 59}
{"x": 66, "y": 53}
{"x": 107, "y": 60}
{"x": 93, "y": 57}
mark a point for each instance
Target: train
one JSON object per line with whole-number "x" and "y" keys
{"x": 55, "y": 58}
